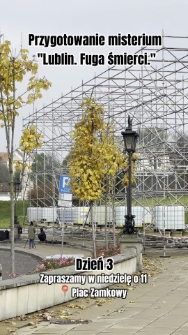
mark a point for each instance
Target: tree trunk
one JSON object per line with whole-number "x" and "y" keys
{"x": 12, "y": 220}
{"x": 93, "y": 231}
{"x": 113, "y": 214}
{"x": 10, "y": 146}
{"x": 105, "y": 216}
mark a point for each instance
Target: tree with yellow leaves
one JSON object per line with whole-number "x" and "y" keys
{"x": 94, "y": 155}
{"x": 29, "y": 141}
{"x": 13, "y": 70}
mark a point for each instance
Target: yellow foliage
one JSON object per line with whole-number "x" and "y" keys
{"x": 20, "y": 166}
{"x": 30, "y": 139}
{"x": 94, "y": 154}
{"x": 12, "y": 71}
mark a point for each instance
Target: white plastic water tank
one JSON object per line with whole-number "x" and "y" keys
{"x": 99, "y": 215}
{"x": 65, "y": 215}
{"x": 120, "y": 213}
{"x": 49, "y": 214}
{"x": 142, "y": 215}
{"x": 147, "y": 215}
{"x": 34, "y": 214}
{"x": 169, "y": 217}
{"x": 80, "y": 214}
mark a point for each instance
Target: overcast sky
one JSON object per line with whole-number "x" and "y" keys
{"x": 83, "y": 17}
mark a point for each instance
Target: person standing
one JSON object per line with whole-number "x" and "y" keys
{"x": 31, "y": 236}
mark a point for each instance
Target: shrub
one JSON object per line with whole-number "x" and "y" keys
{"x": 112, "y": 251}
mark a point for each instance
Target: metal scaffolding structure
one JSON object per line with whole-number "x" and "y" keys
{"x": 156, "y": 98}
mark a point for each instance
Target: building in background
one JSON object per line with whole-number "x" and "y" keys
{"x": 26, "y": 184}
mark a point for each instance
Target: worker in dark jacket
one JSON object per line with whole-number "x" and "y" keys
{"x": 42, "y": 235}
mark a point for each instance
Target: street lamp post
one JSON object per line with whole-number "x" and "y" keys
{"x": 130, "y": 138}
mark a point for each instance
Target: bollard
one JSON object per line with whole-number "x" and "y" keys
{"x": 0, "y": 272}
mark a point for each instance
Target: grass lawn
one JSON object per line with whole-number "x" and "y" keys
{"x": 157, "y": 201}
{"x": 21, "y": 209}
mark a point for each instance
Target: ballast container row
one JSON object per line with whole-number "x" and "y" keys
{"x": 162, "y": 217}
